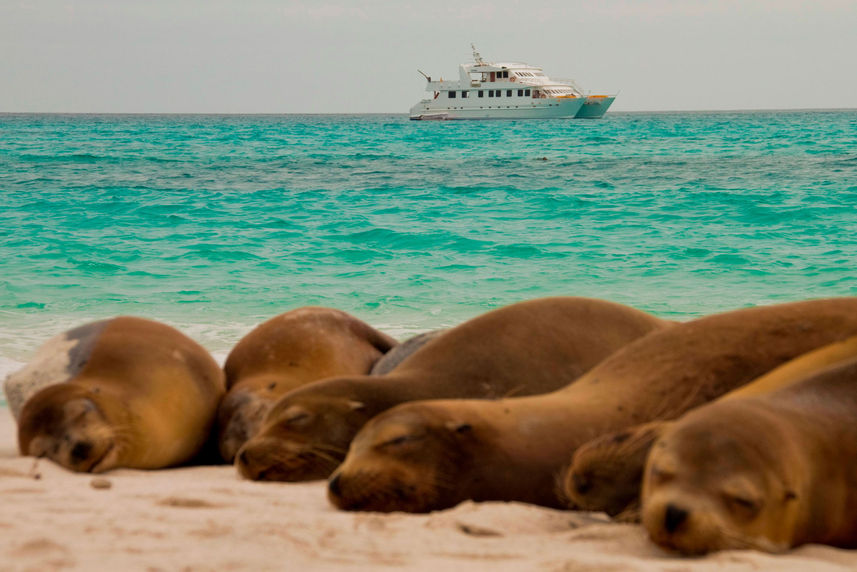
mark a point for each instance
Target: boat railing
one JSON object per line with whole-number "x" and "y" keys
{"x": 571, "y": 83}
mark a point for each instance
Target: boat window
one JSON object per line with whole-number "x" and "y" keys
{"x": 508, "y": 93}
{"x": 451, "y": 94}
{"x": 490, "y": 93}
{"x": 464, "y": 94}
{"x": 520, "y": 92}
{"x": 481, "y": 93}
{"x": 527, "y": 92}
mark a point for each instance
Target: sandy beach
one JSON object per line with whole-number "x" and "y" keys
{"x": 207, "y": 518}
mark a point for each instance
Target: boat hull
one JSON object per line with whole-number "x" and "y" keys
{"x": 548, "y": 108}
{"x": 595, "y": 106}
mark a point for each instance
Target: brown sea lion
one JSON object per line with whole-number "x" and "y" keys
{"x": 526, "y": 348}
{"x": 434, "y": 454}
{"x": 144, "y": 397}
{"x": 606, "y": 473}
{"x": 767, "y": 472}
{"x": 285, "y": 352}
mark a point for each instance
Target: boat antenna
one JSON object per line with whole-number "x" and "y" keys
{"x": 476, "y": 57}
{"x": 428, "y": 77}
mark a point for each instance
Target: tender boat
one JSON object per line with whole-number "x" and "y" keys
{"x": 506, "y": 90}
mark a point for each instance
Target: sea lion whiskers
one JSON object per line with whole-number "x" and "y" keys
{"x": 362, "y": 493}
{"x": 269, "y": 459}
{"x": 34, "y": 469}
{"x": 318, "y": 453}
{"x": 328, "y": 448}
{"x": 514, "y": 391}
{"x": 735, "y": 541}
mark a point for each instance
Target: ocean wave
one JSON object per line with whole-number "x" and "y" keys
{"x": 229, "y": 220}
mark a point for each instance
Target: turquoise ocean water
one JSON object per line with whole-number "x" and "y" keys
{"x": 215, "y": 223}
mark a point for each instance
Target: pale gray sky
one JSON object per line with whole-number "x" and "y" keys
{"x": 333, "y": 56}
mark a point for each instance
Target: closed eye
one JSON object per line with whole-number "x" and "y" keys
{"x": 298, "y": 419}
{"x": 400, "y": 440}
{"x": 743, "y": 505}
{"x": 660, "y": 476}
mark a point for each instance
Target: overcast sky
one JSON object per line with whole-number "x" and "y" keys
{"x": 335, "y": 56}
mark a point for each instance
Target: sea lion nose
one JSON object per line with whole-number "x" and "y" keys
{"x": 581, "y": 483}
{"x": 674, "y": 517}
{"x": 80, "y": 451}
{"x": 333, "y": 485}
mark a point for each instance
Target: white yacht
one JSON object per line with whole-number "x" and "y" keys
{"x": 506, "y": 90}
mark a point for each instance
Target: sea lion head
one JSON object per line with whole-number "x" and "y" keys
{"x": 607, "y": 472}
{"x": 242, "y": 411}
{"x": 66, "y": 423}
{"x": 303, "y": 437}
{"x": 409, "y": 458}
{"x": 720, "y": 480}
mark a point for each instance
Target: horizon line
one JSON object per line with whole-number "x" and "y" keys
{"x": 322, "y": 113}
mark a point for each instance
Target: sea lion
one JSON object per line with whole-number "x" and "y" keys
{"x": 285, "y": 352}
{"x": 606, "y": 473}
{"x": 144, "y": 397}
{"x": 434, "y": 454}
{"x": 391, "y": 360}
{"x": 525, "y": 348}
{"x": 768, "y": 472}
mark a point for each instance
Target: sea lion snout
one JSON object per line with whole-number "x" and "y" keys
{"x": 581, "y": 483}
{"x": 674, "y": 517}
{"x": 333, "y": 489}
{"x": 80, "y": 451}
{"x": 240, "y": 418}
{"x": 673, "y": 524}
{"x": 272, "y": 459}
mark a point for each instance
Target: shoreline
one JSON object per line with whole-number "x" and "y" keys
{"x": 208, "y": 518}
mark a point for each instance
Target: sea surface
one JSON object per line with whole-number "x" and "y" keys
{"x": 216, "y": 223}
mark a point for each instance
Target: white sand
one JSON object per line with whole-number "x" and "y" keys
{"x": 207, "y": 518}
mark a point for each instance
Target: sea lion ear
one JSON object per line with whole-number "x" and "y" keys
{"x": 790, "y": 496}
{"x": 356, "y": 405}
{"x": 461, "y": 428}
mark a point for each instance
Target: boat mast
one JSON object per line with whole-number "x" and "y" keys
{"x": 476, "y": 57}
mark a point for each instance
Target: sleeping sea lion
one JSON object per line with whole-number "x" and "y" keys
{"x": 606, "y": 473}
{"x": 434, "y": 454}
{"x": 144, "y": 396}
{"x": 526, "y": 348}
{"x": 767, "y": 472}
{"x": 285, "y": 352}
